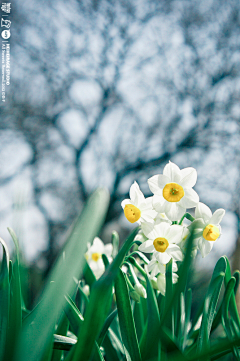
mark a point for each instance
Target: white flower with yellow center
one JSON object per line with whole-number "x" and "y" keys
{"x": 162, "y": 241}
{"x": 138, "y": 208}
{"x": 206, "y": 227}
{"x": 94, "y": 256}
{"x": 173, "y": 192}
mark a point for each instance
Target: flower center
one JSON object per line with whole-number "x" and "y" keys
{"x": 96, "y": 256}
{"x": 132, "y": 213}
{"x": 211, "y": 232}
{"x": 173, "y": 192}
{"x": 160, "y": 244}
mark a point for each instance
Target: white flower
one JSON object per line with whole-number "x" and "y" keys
{"x": 94, "y": 256}
{"x": 162, "y": 239}
{"x": 206, "y": 227}
{"x": 173, "y": 192}
{"x": 138, "y": 208}
{"x": 154, "y": 267}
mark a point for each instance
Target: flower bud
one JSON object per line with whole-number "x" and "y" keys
{"x": 86, "y": 290}
{"x": 140, "y": 290}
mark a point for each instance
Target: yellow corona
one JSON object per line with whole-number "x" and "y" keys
{"x": 160, "y": 244}
{"x": 211, "y": 232}
{"x": 96, "y": 256}
{"x": 173, "y": 192}
{"x": 132, "y": 213}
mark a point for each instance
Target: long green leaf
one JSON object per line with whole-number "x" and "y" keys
{"x": 35, "y": 336}
{"x": 4, "y": 298}
{"x": 15, "y": 312}
{"x": 150, "y": 349}
{"x": 127, "y": 327}
{"x": 210, "y": 304}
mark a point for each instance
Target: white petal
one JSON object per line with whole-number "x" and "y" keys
{"x": 148, "y": 215}
{"x": 162, "y": 229}
{"x": 217, "y": 216}
{"x": 153, "y": 185}
{"x": 98, "y": 245}
{"x": 161, "y": 281}
{"x": 189, "y": 177}
{"x": 203, "y": 211}
{"x": 174, "y": 266}
{"x": 147, "y": 228}
{"x": 174, "y": 278}
{"x": 172, "y": 171}
{"x": 163, "y": 257}
{"x": 204, "y": 246}
{"x": 175, "y": 252}
{"x": 108, "y": 249}
{"x": 148, "y": 203}
{"x": 147, "y": 246}
{"x": 159, "y": 203}
{"x": 174, "y": 211}
{"x": 125, "y": 202}
{"x": 163, "y": 180}
{"x": 190, "y": 198}
{"x": 136, "y": 194}
{"x": 174, "y": 233}
{"x": 151, "y": 265}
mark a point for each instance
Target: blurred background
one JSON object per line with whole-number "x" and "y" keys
{"x": 106, "y": 92}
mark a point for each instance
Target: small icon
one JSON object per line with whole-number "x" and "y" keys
{"x": 6, "y": 34}
{"x": 6, "y": 7}
{"x": 5, "y": 23}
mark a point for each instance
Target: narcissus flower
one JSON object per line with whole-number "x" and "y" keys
{"x": 138, "y": 208}
{"x": 162, "y": 239}
{"x": 154, "y": 267}
{"x": 173, "y": 192}
{"x": 206, "y": 227}
{"x": 94, "y": 256}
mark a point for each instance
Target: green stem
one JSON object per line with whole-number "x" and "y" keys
{"x": 188, "y": 216}
{"x": 140, "y": 269}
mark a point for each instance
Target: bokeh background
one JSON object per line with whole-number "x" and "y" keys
{"x": 105, "y": 92}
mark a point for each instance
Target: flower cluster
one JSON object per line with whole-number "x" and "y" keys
{"x": 161, "y": 216}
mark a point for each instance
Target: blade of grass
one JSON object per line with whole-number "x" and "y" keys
{"x": 152, "y": 325}
{"x": 36, "y": 335}
{"x": 15, "y": 311}
{"x": 210, "y": 304}
{"x": 127, "y": 326}
{"x": 4, "y": 297}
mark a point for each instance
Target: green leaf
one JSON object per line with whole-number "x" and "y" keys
{"x": 15, "y": 311}
{"x": 127, "y": 326}
{"x": 106, "y": 326}
{"x": 73, "y": 314}
{"x": 210, "y": 304}
{"x": 63, "y": 342}
{"x": 151, "y": 349}
{"x": 35, "y": 336}
{"x": 225, "y": 310}
{"x": 61, "y": 331}
{"x": 4, "y": 297}
{"x": 89, "y": 275}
